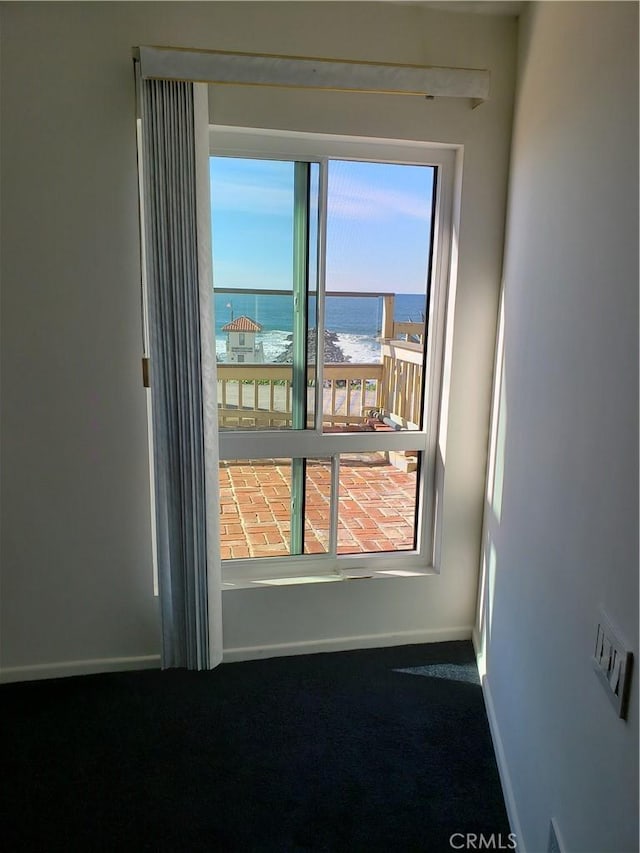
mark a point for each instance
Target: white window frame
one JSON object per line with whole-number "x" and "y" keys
{"x": 270, "y": 144}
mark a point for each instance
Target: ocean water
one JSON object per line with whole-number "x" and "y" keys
{"x": 357, "y": 320}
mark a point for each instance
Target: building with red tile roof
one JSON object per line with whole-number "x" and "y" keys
{"x": 241, "y": 341}
{"x": 242, "y": 324}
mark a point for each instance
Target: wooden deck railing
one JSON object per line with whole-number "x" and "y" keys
{"x": 408, "y": 332}
{"x": 401, "y": 388}
{"x": 260, "y": 395}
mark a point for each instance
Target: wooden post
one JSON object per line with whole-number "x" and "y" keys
{"x": 387, "y": 316}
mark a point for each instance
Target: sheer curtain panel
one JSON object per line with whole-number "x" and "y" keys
{"x": 176, "y": 233}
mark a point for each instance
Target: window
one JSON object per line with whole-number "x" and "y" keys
{"x": 335, "y": 251}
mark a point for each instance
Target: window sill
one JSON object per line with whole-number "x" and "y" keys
{"x": 334, "y": 577}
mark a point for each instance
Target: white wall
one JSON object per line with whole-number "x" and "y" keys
{"x": 75, "y": 545}
{"x": 562, "y": 513}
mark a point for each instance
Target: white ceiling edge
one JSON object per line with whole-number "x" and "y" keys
{"x": 470, "y": 7}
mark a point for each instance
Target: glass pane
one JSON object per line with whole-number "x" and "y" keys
{"x": 317, "y": 514}
{"x": 261, "y": 227}
{"x": 255, "y": 508}
{"x": 377, "y": 502}
{"x": 377, "y": 282}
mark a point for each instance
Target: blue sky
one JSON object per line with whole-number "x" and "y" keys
{"x": 378, "y": 225}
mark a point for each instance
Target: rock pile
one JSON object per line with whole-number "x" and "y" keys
{"x": 333, "y": 353}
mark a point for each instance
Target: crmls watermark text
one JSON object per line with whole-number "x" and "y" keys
{"x": 475, "y": 841}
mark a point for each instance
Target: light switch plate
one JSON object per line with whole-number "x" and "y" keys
{"x": 612, "y": 662}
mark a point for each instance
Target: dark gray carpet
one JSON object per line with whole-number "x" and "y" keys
{"x": 377, "y": 750}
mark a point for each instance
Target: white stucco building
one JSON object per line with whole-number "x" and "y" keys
{"x": 241, "y": 341}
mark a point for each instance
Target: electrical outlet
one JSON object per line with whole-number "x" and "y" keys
{"x": 612, "y": 663}
{"x": 554, "y": 845}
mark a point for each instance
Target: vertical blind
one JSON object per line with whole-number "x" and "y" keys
{"x": 179, "y": 294}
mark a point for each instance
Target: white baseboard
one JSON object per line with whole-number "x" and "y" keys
{"x": 334, "y": 644}
{"x": 503, "y": 768}
{"x": 345, "y": 644}
{"x": 77, "y": 667}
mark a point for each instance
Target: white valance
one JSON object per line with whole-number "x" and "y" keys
{"x": 217, "y": 66}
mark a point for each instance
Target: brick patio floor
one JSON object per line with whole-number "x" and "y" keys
{"x": 376, "y": 507}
